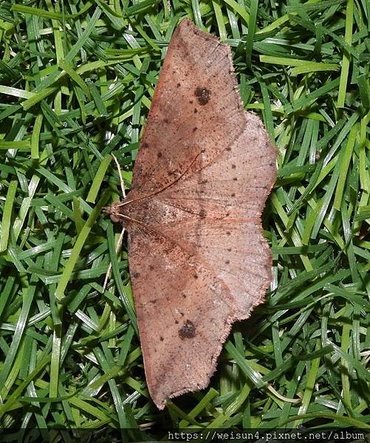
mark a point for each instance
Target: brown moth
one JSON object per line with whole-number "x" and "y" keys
{"x": 198, "y": 260}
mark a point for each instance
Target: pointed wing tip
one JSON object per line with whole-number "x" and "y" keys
{"x": 187, "y": 26}
{"x": 161, "y": 399}
{"x": 160, "y": 402}
{"x": 186, "y": 22}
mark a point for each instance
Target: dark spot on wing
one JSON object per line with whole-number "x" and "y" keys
{"x": 174, "y": 172}
{"x": 202, "y": 213}
{"x": 159, "y": 155}
{"x": 161, "y": 338}
{"x": 195, "y": 276}
{"x": 187, "y": 330}
{"x": 203, "y": 95}
{"x": 233, "y": 166}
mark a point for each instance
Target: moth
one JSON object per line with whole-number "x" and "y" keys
{"x": 197, "y": 256}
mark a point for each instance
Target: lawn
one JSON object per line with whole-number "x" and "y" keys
{"x": 76, "y": 83}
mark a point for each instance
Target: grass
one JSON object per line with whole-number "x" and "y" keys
{"x": 76, "y": 81}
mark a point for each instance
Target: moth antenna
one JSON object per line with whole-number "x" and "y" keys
{"x": 118, "y": 248}
{"x": 158, "y": 191}
{"x": 120, "y": 176}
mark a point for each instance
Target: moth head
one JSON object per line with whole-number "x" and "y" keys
{"x": 115, "y": 212}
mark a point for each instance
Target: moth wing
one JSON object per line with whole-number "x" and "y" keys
{"x": 195, "y": 110}
{"x": 184, "y": 315}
